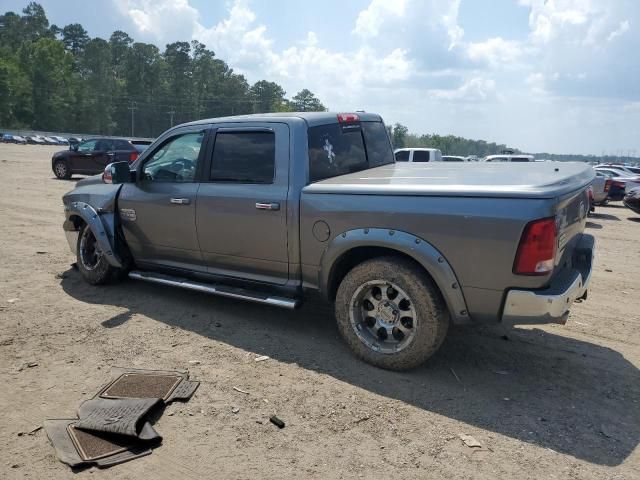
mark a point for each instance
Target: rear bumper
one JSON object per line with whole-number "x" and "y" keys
{"x": 552, "y": 304}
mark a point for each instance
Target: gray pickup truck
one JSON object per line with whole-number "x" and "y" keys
{"x": 268, "y": 208}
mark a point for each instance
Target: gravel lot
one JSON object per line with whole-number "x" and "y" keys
{"x": 545, "y": 402}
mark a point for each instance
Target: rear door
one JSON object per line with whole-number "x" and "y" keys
{"x": 242, "y": 204}
{"x": 121, "y": 151}
{"x": 158, "y": 211}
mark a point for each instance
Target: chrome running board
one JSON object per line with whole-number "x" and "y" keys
{"x": 221, "y": 291}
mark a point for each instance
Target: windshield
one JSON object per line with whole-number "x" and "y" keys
{"x": 338, "y": 149}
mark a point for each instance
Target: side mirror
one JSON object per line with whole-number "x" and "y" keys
{"x": 117, "y": 172}
{"x": 73, "y": 146}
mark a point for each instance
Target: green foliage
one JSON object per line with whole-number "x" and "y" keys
{"x": 61, "y": 79}
{"x": 305, "y": 101}
{"x": 449, "y": 144}
{"x": 399, "y": 135}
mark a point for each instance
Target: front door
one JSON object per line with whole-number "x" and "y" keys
{"x": 90, "y": 156}
{"x": 158, "y": 211}
{"x": 242, "y": 203}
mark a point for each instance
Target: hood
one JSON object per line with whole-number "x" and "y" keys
{"x": 513, "y": 180}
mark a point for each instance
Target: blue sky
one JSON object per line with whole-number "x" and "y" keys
{"x": 555, "y": 75}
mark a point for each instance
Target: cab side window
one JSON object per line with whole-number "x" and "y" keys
{"x": 175, "y": 161}
{"x": 420, "y": 156}
{"x": 402, "y": 156}
{"x": 103, "y": 145}
{"x": 88, "y": 146}
{"x": 244, "y": 157}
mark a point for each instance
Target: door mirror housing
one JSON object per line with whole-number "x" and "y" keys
{"x": 117, "y": 172}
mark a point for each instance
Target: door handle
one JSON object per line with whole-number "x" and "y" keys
{"x": 180, "y": 201}
{"x": 111, "y": 154}
{"x": 267, "y": 206}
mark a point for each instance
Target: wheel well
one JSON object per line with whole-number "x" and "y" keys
{"x": 77, "y": 221}
{"x": 357, "y": 255}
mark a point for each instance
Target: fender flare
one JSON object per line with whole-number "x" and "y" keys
{"x": 105, "y": 240}
{"x": 415, "y": 247}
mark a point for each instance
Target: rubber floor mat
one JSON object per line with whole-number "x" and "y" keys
{"x": 138, "y": 385}
{"x": 94, "y": 445}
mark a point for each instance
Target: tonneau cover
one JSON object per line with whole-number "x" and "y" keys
{"x": 512, "y": 180}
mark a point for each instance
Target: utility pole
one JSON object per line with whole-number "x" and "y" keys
{"x": 171, "y": 113}
{"x": 133, "y": 107}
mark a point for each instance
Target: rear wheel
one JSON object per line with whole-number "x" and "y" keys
{"x": 61, "y": 170}
{"x": 92, "y": 263}
{"x": 391, "y": 313}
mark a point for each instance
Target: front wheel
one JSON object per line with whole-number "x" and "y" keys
{"x": 61, "y": 170}
{"x": 391, "y": 313}
{"x": 92, "y": 263}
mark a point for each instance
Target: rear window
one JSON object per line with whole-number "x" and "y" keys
{"x": 520, "y": 159}
{"x": 421, "y": 156}
{"x": 334, "y": 150}
{"x": 121, "y": 145}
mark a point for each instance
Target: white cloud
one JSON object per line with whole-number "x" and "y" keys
{"x": 372, "y": 18}
{"x": 495, "y": 51}
{"x": 160, "y": 19}
{"x": 473, "y": 90}
{"x": 408, "y": 57}
{"x": 622, "y": 28}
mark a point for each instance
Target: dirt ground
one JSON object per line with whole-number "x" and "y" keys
{"x": 545, "y": 402}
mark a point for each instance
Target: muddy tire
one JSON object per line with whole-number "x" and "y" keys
{"x": 92, "y": 263}
{"x": 61, "y": 170}
{"x": 390, "y": 313}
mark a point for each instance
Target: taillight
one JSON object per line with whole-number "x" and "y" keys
{"x": 133, "y": 157}
{"x": 607, "y": 185}
{"x": 348, "y": 118}
{"x": 590, "y": 193}
{"x": 537, "y": 250}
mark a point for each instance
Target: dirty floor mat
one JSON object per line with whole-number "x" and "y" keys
{"x": 115, "y": 425}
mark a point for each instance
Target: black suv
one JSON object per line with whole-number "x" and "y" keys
{"x": 92, "y": 155}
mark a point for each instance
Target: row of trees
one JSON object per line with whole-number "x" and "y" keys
{"x": 448, "y": 144}
{"x": 61, "y": 79}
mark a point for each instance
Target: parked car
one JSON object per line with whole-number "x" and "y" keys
{"x": 509, "y": 158}
{"x": 19, "y": 139}
{"x": 34, "y": 140}
{"x": 61, "y": 140}
{"x": 51, "y": 141}
{"x": 632, "y": 199}
{"x": 418, "y": 155}
{"x": 629, "y": 179}
{"x": 92, "y": 156}
{"x": 620, "y": 166}
{"x": 268, "y": 208}
{"x": 7, "y": 138}
{"x": 600, "y": 187}
{"x": 453, "y": 158}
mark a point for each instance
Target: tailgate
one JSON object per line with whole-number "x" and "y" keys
{"x": 571, "y": 219}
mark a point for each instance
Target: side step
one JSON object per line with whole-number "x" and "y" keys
{"x": 220, "y": 290}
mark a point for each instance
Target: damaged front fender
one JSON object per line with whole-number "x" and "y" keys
{"x": 95, "y": 205}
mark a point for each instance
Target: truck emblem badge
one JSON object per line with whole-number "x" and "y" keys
{"x": 128, "y": 214}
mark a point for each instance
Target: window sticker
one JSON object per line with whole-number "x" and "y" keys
{"x": 327, "y": 147}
